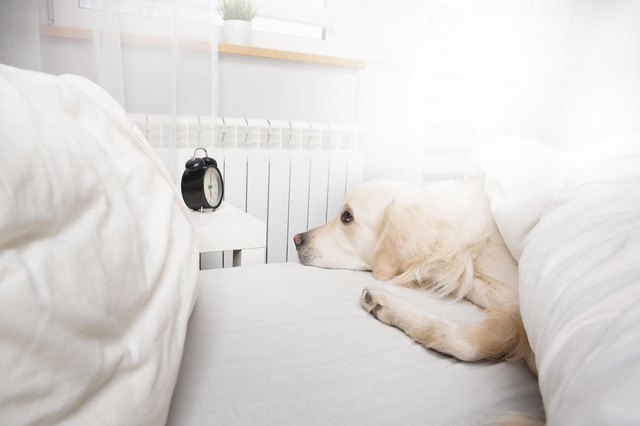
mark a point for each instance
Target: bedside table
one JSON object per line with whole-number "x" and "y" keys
{"x": 229, "y": 228}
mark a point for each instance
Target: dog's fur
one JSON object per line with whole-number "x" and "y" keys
{"x": 442, "y": 238}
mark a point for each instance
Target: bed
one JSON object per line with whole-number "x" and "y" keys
{"x": 289, "y": 344}
{"x": 107, "y": 321}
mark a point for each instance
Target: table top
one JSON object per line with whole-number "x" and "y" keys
{"x": 224, "y": 215}
{"x": 227, "y": 228}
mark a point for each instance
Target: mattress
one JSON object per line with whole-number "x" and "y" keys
{"x": 286, "y": 344}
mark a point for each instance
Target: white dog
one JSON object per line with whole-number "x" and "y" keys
{"x": 442, "y": 238}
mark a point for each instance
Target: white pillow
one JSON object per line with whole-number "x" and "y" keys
{"x": 519, "y": 180}
{"x": 97, "y": 260}
{"x": 580, "y": 288}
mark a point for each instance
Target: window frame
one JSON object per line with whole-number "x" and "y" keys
{"x": 68, "y": 13}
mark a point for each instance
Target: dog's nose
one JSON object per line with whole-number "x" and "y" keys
{"x": 298, "y": 239}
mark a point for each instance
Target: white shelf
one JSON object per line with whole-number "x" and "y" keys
{"x": 230, "y": 229}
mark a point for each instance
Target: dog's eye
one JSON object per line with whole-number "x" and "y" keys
{"x": 346, "y": 217}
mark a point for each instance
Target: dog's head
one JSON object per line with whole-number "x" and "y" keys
{"x": 360, "y": 237}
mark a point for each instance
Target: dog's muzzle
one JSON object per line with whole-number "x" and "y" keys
{"x": 306, "y": 253}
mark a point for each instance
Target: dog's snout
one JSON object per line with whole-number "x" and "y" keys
{"x": 299, "y": 239}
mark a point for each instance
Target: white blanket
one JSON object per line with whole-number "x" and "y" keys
{"x": 574, "y": 223}
{"x": 97, "y": 260}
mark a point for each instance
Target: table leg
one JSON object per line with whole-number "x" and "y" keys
{"x": 237, "y": 258}
{"x": 246, "y": 257}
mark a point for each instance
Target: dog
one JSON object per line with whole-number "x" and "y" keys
{"x": 441, "y": 238}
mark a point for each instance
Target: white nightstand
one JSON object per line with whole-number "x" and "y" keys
{"x": 230, "y": 229}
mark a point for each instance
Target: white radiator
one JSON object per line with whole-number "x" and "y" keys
{"x": 292, "y": 175}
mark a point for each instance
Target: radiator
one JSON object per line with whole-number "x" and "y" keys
{"x": 292, "y": 175}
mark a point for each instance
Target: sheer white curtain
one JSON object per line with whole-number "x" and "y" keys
{"x": 582, "y": 74}
{"x": 443, "y": 77}
{"x": 154, "y": 57}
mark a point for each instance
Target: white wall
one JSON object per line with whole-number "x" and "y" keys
{"x": 264, "y": 88}
{"x": 248, "y": 87}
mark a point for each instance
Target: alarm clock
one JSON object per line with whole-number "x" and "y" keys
{"x": 202, "y": 185}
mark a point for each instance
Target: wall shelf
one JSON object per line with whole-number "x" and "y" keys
{"x": 223, "y": 49}
{"x": 285, "y": 55}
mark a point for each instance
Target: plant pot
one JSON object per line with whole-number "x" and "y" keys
{"x": 236, "y": 31}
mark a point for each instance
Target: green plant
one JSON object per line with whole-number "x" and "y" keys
{"x": 244, "y": 10}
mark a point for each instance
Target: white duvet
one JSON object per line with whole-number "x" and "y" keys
{"x": 97, "y": 260}
{"x": 573, "y": 221}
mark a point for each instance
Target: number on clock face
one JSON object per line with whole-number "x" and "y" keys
{"x": 211, "y": 186}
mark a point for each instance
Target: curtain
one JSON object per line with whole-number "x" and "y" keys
{"x": 443, "y": 77}
{"x": 154, "y": 57}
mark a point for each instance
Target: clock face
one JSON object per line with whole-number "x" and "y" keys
{"x": 212, "y": 186}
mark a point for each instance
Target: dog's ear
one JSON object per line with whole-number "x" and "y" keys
{"x": 404, "y": 235}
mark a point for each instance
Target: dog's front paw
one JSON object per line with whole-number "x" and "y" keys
{"x": 373, "y": 302}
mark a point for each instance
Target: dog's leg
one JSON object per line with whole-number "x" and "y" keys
{"x": 495, "y": 338}
{"x": 488, "y": 296}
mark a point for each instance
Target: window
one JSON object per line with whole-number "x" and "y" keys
{"x": 300, "y": 25}
{"x": 291, "y": 28}
{"x": 138, "y": 17}
{"x": 313, "y": 26}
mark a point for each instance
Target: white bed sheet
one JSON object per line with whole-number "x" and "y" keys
{"x": 285, "y": 344}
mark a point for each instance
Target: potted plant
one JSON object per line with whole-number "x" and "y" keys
{"x": 237, "y": 16}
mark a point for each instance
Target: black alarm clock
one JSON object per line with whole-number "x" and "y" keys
{"x": 202, "y": 185}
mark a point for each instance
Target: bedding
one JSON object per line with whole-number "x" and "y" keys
{"x": 286, "y": 344}
{"x": 579, "y": 275}
{"x": 97, "y": 260}
{"x": 519, "y": 176}
{"x": 581, "y": 289}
